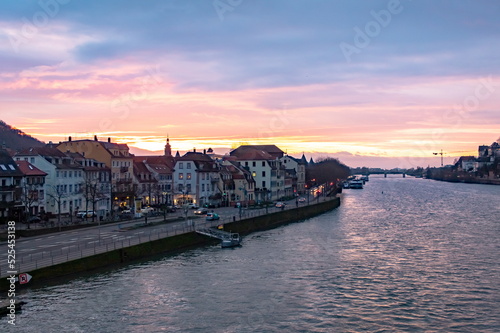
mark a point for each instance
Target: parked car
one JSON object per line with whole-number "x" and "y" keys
{"x": 212, "y": 217}
{"x": 201, "y": 211}
{"x": 301, "y": 200}
{"x": 280, "y": 204}
{"x": 34, "y": 219}
{"x": 171, "y": 209}
{"x": 84, "y": 214}
{"x": 192, "y": 206}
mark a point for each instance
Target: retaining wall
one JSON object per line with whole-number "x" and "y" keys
{"x": 173, "y": 243}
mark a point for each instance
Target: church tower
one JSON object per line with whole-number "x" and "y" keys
{"x": 168, "y": 148}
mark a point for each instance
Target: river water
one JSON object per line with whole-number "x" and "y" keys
{"x": 401, "y": 255}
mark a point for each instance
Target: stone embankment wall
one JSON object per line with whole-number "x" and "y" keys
{"x": 173, "y": 243}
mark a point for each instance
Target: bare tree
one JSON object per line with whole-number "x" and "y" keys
{"x": 57, "y": 194}
{"x": 29, "y": 196}
{"x": 93, "y": 192}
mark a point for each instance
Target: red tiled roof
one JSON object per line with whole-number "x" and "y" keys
{"x": 251, "y": 154}
{"x": 29, "y": 169}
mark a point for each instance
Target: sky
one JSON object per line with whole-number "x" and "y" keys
{"x": 373, "y": 83}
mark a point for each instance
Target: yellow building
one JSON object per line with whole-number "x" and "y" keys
{"x": 116, "y": 157}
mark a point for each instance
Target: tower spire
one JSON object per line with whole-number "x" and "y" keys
{"x": 168, "y": 148}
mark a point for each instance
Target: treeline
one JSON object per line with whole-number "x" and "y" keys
{"x": 327, "y": 170}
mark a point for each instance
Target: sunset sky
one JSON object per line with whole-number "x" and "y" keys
{"x": 374, "y": 83}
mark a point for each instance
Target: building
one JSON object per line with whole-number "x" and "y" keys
{"x": 11, "y": 176}
{"x": 96, "y": 187}
{"x": 63, "y": 194}
{"x": 161, "y": 169}
{"x": 266, "y": 169}
{"x": 146, "y": 186}
{"x": 33, "y": 189}
{"x": 196, "y": 178}
{"x": 116, "y": 157}
{"x": 295, "y": 173}
{"x": 467, "y": 164}
{"x": 237, "y": 184}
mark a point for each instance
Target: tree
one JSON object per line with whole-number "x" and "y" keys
{"x": 93, "y": 191}
{"x": 29, "y": 196}
{"x": 328, "y": 170}
{"x": 57, "y": 194}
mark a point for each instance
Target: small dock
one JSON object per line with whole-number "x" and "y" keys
{"x": 228, "y": 239}
{"x": 215, "y": 233}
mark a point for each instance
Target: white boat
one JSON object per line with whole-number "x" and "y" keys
{"x": 233, "y": 241}
{"x": 356, "y": 184}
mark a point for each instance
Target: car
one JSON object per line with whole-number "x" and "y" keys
{"x": 201, "y": 211}
{"x": 280, "y": 204}
{"x": 171, "y": 209}
{"x": 301, "y": 200}
{"x": 192, "y": 206}
{"x": 34, "y": 219}
{"x": 212, "y": 217}
{"x": 84, "y": 214}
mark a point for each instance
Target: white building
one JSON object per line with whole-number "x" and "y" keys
{"x": 266, "y": 169}
{"x": 196, "y": 177}
{"x": 64, "y": 178}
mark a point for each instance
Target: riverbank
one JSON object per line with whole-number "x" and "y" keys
{"x": 173, "y": 243}
{"x": 467, "y": 180}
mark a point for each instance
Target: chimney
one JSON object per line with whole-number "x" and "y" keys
{"x": 95, "y": 137}
{"x": 204, "y": 151}
{"x": 109, "y": 139}
{"x": 69, "y": 139}
{"x": 194, "y": 150}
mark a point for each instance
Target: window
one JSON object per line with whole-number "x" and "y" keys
{"x": 188, "y": 165}
{"x": 263, "y": 163}
{"x": 263, "y": 183}
{"x": 263, "y": 173}
{"x": 246, "y": 163}
{"x": 181, "y": 165}
{"x": 169, "y": 187}
{"x": 188, "y": 176}
{"x": 70, "y": 188}
{"x": 181, "y": 188}
{"x": 57, "y": 174}
{"x": 254, "y": 164}
{"x": 181, "y": 176}
{"x": 188, "y": 187}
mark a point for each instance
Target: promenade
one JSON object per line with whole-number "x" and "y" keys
{"x": 51, "y": 249}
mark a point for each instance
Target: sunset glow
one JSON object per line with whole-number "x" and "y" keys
{"x": 265, "y": 74}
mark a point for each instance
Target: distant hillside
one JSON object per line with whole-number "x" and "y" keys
{"x": 16, "y": 139}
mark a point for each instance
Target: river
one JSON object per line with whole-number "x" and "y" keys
{"x": 401, "y": 255}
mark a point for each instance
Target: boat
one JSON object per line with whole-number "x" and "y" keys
{"x": 365, "y": 178}
{"x": 233, "y": 240}
{"x": 356, "y": 184}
